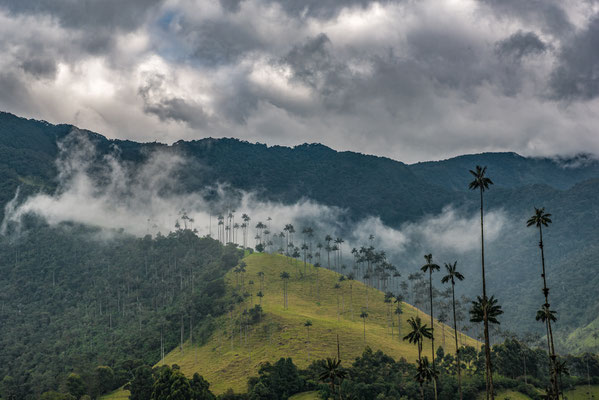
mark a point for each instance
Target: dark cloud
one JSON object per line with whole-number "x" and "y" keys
{"x": 313, "y": 65}
{"x": 96, "y": 21}
{"x": 324, "y": 9}
{"x": 520, "y": 44}
{"x": 85, "y": 14}
{"x": 241, "y": 103}
{"x": 231, "y": 5}
{"x": 548, "y": 14}
{"x": 14, "y": 92}
{"x": 219, "y": 42}
{"x": 577, "y": 73}
{"x": 448, "y": 58}
{"x": 40, "y": 67}
{"x": 310, "y": 59}
{"x": 166, "y": 107}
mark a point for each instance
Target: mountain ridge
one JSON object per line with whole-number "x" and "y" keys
{"x": 369, "y": 186}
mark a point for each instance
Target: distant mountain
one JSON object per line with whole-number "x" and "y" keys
{"x": 510, "y": 170}
{"x": 367, "y": 185}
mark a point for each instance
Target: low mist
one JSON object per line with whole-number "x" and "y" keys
{"x": 106, "y": 192}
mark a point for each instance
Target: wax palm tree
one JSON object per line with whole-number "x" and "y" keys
{"x": 398, "y": 311}
{"x": 430, "y": 267}
{"x": 260, "y": 295}
{"x": 481, "y": 308}
{"x": 337, "y": 287}
{"x": 285, "y": 277}
{"x": 416, "y": 336}
{"x": 350, "y": 279}
{"x": 452, "y": 275}
{"x": 425, "y": 373}
{"x": 542, "y": 219}
{"x": 261, "y": 277}
{"x": 308, "y": 324}
{"x": 364, "y": 315}
{"x": 332, "y": 372}
{"x": 561, "y": 368}
{"x": 388, "y": 300}
{"x": 546, "y": 316}
{"x": 482, "y": 182}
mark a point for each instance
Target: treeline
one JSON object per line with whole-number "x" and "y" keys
{"x": 73, "y": 298}
{"x": 373, "y": 375}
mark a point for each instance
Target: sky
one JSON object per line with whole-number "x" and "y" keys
{"x": 409, "y": 79}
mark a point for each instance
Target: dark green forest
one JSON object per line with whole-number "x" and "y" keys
{"x": 83, "y": 310}
{"x": 74, "y": 299}
{"x": 371, "y": 185}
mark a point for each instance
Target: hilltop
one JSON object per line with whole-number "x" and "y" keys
{"x": 227, "y": 361}
{"x": 399, "y": 194}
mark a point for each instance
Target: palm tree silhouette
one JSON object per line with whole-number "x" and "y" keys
{"x": 452, "y": 275}
{"x": 424, "y": 372}
{"x": 285, "y": 277}
{"x": 351, "y": 278}
{"x": 481, "y": 182}
{"x": 430, "y": 267}
{"x": 333, "y": 372}
{"x": 260, "y": 295}
{"x": 546, "y": 316}
{"x": 398, "y": 311}
{"x": 561, "y": 367}
{"x": 416, "y": 336}
{"x": 364, "y": 315}
{"x": 337, "y": 287}
{"x": 308, "y": 324}
{"x": 540, "y": 219}
{"x": 485, "y": 307}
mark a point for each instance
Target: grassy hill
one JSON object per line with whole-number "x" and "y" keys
{"x": 226, "y": 360}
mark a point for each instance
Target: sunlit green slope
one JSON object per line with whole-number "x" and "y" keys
{"x": 227, "y": 360}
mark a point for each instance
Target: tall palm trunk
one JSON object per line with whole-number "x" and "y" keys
{"x": 488, "y": 365}
{"x": 457, "y": 348}
{"x": 420, "y": 363}
{"x": 552, "y": 356}
{"x": 430, "y": 287}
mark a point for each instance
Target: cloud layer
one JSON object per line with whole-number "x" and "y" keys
{"x": 106, "y": 192}
{"x": 410, "y": 80}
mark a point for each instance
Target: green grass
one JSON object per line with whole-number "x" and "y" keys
{"x": 505, "y": 395}
{"x": 305, "y": 396}
{"x": 119, "y": 394}
{"x": 227, "y": 362}
{"x": 582, "y": 393}
{"x": 581, "y": 339}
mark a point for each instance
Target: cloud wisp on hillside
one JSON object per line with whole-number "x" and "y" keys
{"x": 106, "y": 192}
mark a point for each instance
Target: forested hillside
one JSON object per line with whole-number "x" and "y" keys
{"x": 399, "y": 194}
{"x": 73, "y": 299}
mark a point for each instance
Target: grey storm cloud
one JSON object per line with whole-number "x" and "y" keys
{"x": 321, "y": 8}
{"x": 165, "y": 107}
{"x": 521, "y": 44}
{"x": 87, "y": 14}
{"x": 409, "y": 80}
{"x": 577, "y": 74}
{"x": 548, "y": 14}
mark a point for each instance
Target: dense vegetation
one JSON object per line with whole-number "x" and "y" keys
{"x": 375, "y": 375}
{"x": 404, "y": 193}
{"x": 74, "y": 299}
{"x": 87, "y": 298}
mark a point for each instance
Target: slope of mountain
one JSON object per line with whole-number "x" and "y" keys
{"x": 73, "y": 298}
{"x": 232, "y": 354}
{"x": 510, "y": 170}
{"x": 398, "y": 193}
